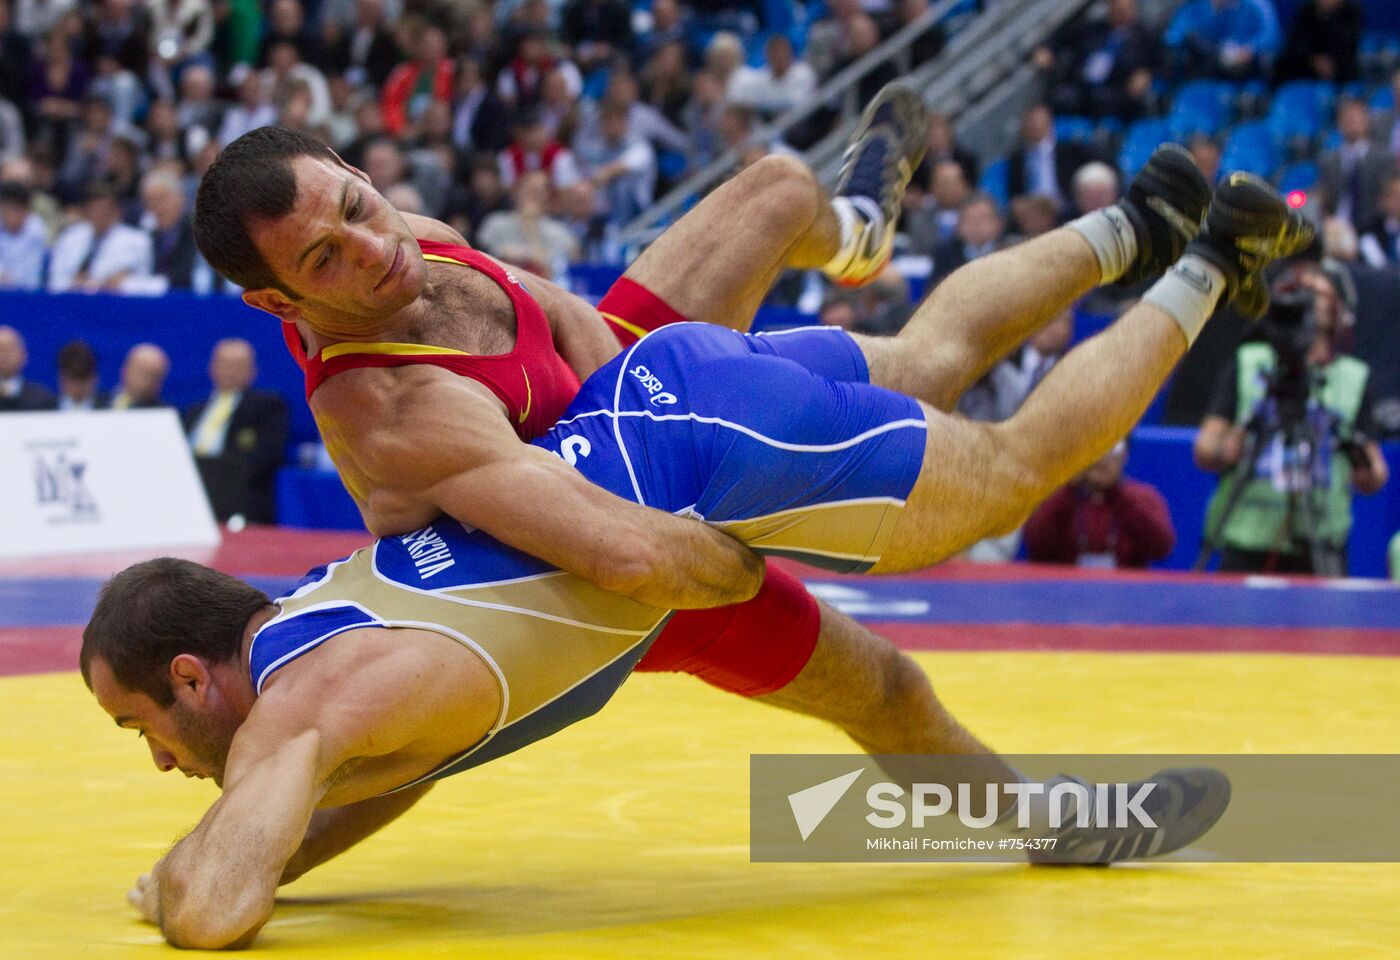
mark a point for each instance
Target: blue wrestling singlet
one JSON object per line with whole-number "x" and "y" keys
{"x": 778, "y": 439}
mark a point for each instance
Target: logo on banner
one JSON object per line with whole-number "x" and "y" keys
{"x": 60, "y": 484}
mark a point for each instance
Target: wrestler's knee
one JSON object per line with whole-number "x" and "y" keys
{"x": 1022, "y": 472}
{"x": 780, "y": 191}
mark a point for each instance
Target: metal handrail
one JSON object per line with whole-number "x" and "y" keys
{"x": 992, "y": 46}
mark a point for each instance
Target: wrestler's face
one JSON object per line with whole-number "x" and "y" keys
{"x": 346, "y": 257}
{"x": 192, "y": 735}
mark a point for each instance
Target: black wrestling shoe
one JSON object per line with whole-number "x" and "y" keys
{"x": 1184, "y": 803}
{"x": 1165, "y": 204}
{"x": 885, "y": 149}
{"x": 1248, "y": 227}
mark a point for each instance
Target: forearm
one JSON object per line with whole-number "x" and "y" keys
{"x": 334, "y": 830}
{"x": 699, "y": 568}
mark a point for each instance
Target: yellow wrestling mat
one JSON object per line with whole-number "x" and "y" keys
{"x": 626, "y": 836}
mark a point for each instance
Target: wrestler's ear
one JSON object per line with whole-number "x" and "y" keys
{"x": 190, "y": 675}
{"x": 273, "y": 301}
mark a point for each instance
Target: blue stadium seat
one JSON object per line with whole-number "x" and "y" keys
{"x": 1301, "y": 110}
{"x": 1251, "y": 147}
{"x": 1142, "y": 138}
{"x": 670, "y": 163}
{"x": 1201, "y": 106}
{"x": 993, "y": 181}
{"x": 1382, "y": 100}
{"x": 1298, "y": 176}
{"x": 1073, "y": 128}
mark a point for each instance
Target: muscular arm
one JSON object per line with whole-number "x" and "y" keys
{"x": 334, "y": 830}
{"x": 530, "y": 499}
{"x": 216, "y": 887}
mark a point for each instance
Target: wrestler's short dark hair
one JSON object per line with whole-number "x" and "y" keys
{"x": 251, "y": 180}
{"x": 151, "y": 612}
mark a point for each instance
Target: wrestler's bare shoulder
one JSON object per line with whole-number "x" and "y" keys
{"x": 369, "y": 400}
{"x": 393, "y": 703}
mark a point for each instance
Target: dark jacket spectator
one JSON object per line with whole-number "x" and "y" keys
{"x": 1352, "y": 177}
{"x": 172, "y": 235}
{"x": 597, "y": 30}
{"x": 239, "y": 436}
{"x": 1102, "y": 519}
{"x": 1043, "y": 164}
{"x": 77, "y": 378}
{"x": 142, "y": 379}
{"x": 1102, "y": 67}
{"x": 16, "y": 393}
{"x": 366, "y": 52}
{"x": 1322, "y": 42}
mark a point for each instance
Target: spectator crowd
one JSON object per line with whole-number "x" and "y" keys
{"x": 538, "y": 128}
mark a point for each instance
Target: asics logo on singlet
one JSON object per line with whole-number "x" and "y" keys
{"x": 653, "y": 385}
{"x": 572, "y": 449}
{"x": 428, "y": 551}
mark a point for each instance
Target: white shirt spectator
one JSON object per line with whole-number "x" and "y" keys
{"x": 22, "y": 255}
{"x": 121, "y": 250}
{"x": 239, "y": 119}
{"x": 758, "y": 89}
{"x": 11, "y": 132}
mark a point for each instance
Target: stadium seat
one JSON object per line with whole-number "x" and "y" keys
{"x": 1250, "y": 147}
{"x": 1382, "y": 100}
{"x": 1142, "y": 138}
{"x": 1379, "y": 54}
{"x": 1201, "y": 106}
{"x": 1300, "y": 111}
{"x": 1073, "y": 128}
{"x": 993, "y": 181}
{"x": 1298, "y": 176}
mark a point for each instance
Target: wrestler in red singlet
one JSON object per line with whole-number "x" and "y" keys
{"x": 750, "y": 649}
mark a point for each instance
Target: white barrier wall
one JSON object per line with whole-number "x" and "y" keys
{"x": 103, "y": 481}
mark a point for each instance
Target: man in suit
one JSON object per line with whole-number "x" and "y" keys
{"x": 367, "y": 52}
{"x": 1102, "y": 67}
{"x": 172, "y": 236}
{"x": 1352, "y": 177}
{"x": 16, "y": 393}
{"x": 1380, "y": 243}
{"x": 142, "y": 379}
{"x": 1041, "y": 164}
{"x": 981, "y": 230}
{"x": 77, "y": 378}
{"x": 238, "y": 436}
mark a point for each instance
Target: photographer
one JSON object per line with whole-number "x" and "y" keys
{"x": 1290, "y": 419}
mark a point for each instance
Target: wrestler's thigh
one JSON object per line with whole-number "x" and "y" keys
{"x": 968, "y": 489}
{"x": 717, "y": 263}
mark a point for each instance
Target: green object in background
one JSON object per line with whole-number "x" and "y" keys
{"x": 1395, "y": 557}
{"x": 245, "y": 26}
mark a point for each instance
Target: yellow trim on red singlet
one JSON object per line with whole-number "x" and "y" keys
{"x": 441, "y": 259}
{"x": 631, "y": 328}
{"x": 529, "y": 394}
{"x": 393, "y": 349}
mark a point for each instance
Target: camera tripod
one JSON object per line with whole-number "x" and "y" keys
{"x": 1282, "y": 422}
